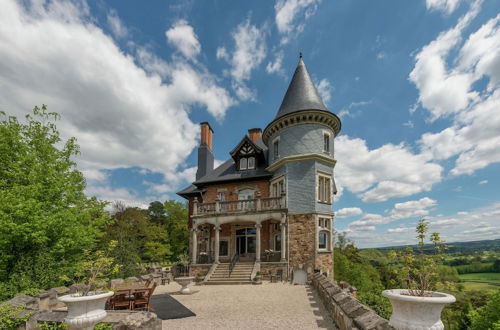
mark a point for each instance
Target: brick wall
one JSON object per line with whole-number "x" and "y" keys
{"x": 232, "y": 189}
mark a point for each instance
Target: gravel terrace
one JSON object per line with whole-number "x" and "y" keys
{"x": 266, "y": 306}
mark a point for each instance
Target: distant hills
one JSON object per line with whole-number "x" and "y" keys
{"x": 467, "y": 247}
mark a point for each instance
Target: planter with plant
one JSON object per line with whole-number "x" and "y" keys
{"x": 418, "y": 306}
{"x": 257, "y": 278}
{"x": 86, "y": 306}
{"x": 184, "y": 280}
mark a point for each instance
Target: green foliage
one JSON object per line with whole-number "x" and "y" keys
{"x": 488, "y": 316}
{"x": 53, "y": 326}
{"x": 12, "y": 317}
{"x": 177, "y": 226}
{"x": 96, "y": 267}
{"x": 349, "y": 266}
{"x": 420, "y": 270}
{"x": 103, "y": 326}
{"x": 46, "y": 221}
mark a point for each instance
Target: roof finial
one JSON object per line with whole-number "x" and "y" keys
{"x": 300, "y": 55}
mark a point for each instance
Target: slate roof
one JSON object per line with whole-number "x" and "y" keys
{"x": 227, "y": 171}
{"x": 301, "y": 93}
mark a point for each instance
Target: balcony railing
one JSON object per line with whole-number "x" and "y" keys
{"x": 239, "y": 206}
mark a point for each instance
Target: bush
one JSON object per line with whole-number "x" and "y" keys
{"x": 9, "y": 319}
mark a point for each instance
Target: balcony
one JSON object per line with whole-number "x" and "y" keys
{"x": 245, "y": 206}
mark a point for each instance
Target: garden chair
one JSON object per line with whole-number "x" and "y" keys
{"x": 121, "y": 300}
{"x": 279, "y": 274}
{"x": 142, "y": 298}
{"x": 147, "y": 283}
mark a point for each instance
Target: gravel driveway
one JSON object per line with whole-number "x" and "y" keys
{"x": 266, "y": 306}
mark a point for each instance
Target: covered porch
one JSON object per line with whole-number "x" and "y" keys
{"x": 252, "y": 239}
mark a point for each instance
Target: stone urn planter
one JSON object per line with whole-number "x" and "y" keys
{"x": 416, "y": 312}
{"x": 85, "y": 311}
{"x": 184, "y": 281}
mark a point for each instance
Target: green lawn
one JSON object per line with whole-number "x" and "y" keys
{"x": 481, "y": 281}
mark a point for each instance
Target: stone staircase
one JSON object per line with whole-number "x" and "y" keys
{"x": 241, "y": 274}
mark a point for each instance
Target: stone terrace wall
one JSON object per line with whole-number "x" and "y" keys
{"x": 346, "y": 310}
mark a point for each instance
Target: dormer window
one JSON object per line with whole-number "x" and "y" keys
{"x": 251, "y": 163}
{"x": 243, "y": 163}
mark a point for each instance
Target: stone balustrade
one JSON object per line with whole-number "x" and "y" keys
{"x": 239, "y": 206}
{"x": 344, "y": 308}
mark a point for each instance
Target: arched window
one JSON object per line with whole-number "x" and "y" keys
{"x": 251, "y": 163}
{"x": 324, "y": 240}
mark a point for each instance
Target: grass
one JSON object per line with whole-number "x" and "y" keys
{"x": 480, "y": 281}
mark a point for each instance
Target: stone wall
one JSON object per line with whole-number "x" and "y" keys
{"x": 302, "y": 241}
{"x": 267, "y": 267}
{"x": 47, "y": 308}
{"x": 345, "y": 309}
{"x": 324, "y": 262}
{"x": 199, "y": 268}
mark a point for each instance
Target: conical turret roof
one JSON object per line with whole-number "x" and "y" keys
{"x": 301, "y": 93}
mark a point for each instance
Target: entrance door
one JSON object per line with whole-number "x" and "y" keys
{"x": 246, "y": 242}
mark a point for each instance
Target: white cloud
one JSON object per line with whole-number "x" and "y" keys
{"x": 182, "y": 36}
{"x": 401, "y": 230}
{"x": 435, "y": 82}
{"x": 348, "y": 212}
{"x": 412, "y": 209}
{"x": 483, "y": 182}
{"x": 473, "y": 136}
{"x": 116, "y": 25}
{"x": 446, "y": 6}
{"x": 348, "y": 111}
{"x": 123, "y": 115}
{"x": 291, "y": 14}
{"x": 383, "y": 173}
{"x": 249, "y": 52}
{"x": 325, "y": 90}
{"x": 275, "y": 66}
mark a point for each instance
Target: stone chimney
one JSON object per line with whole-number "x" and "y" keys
{"x": 205, "y": 154}
{"x": 254, "y": 134}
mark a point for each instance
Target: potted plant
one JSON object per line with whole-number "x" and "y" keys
{"x": 86, "y": 306}
{"x": 257, "y": 278}
{"x": 184, "y": 280}
{"x": 417, "y": 306}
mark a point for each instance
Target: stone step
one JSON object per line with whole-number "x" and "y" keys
{"x": 228, "y": 282}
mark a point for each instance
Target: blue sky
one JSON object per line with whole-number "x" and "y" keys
{"x": 416, "y": 84}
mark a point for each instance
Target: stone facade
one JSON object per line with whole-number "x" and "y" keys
{"x": 302, "y": 241}
{"x": 345, "y": 309}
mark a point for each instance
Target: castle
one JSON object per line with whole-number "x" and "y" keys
{"x": 270, "y": 205}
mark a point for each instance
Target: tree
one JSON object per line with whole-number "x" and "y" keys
{"x": 177, "y": 227}
{"x": 46, "y": 221}
{"x": 488, "y": 316}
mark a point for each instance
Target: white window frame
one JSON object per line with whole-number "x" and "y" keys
{"x": 248, "y": 163}
{"x": 328, "y": 199}
{"x": 241, "y": 164}
{"x": 324, "y": 224}
{"x": 325, "y": 134}
{"x": 277, "y": 181}
{"x": 276, "y": 155}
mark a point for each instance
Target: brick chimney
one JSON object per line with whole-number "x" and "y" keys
{"x": 205, "y": 154}
{"x": 254, "y": 134}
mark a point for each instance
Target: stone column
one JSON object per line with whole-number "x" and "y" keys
{"x": 217, "y": 244}
{"x": 283, "y": 242}
{"x": 257, "y": 239}
{"x": 194, "y": 249}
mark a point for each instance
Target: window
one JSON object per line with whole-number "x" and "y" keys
{"x": 223, "y": 248}
{"x": 276, "y": 150}
{"x": 221, "y": 196}
{"x": 324, "y": 189}
{"x": 243, "y": 163}
{"x": 324, "y": 223}
{"x": 277, "y": 242}
{"x": 323, "y": 240}
{"x": 251, "y": 163}
{"x": 326, "y": 142}
{"x": 278, "y": 187}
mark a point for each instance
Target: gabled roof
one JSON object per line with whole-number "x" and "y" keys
{"x": 301, "y": 93}
{"x": 245, "y": 139}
